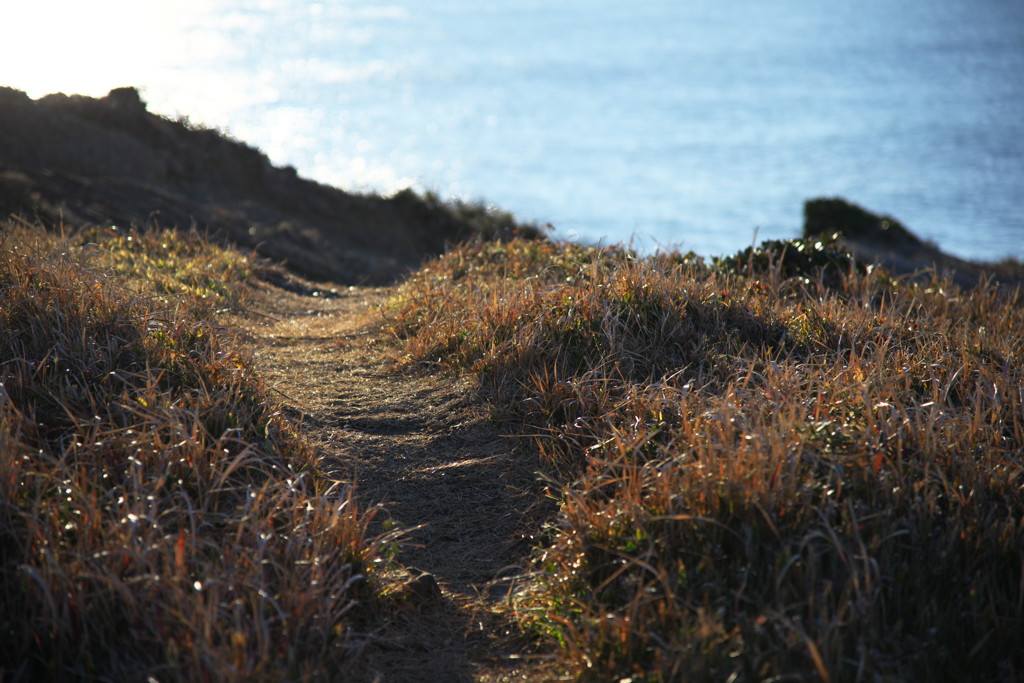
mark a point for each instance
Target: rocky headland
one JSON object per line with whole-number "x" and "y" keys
{"x": 76, "y": 160}
{"x": 882, "y": 239}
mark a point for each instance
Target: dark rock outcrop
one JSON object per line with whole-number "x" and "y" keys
{"x": 826, "y": 216}
{"x": 80, "y": 160}
{"x": 878, "y": 238}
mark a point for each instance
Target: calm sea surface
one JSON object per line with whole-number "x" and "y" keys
{"x": 691, "y": 123}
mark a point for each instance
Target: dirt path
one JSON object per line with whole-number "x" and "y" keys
{"x": 424, "y": 449}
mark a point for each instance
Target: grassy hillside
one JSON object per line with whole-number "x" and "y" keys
{"x": 158, "y": 515}
{"x": 782, "y": 464}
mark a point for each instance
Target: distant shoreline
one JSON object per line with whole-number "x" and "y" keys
{"x": 78, "y": 160}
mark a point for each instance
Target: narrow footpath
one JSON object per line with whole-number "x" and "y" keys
{"x": 420, "y": 446}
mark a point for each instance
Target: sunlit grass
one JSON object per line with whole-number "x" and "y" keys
{"x": 158, "y": 515}
{"x": 173, "y": 265}
{"x": 784, "y": 464}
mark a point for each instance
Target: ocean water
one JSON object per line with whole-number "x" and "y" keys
{"x": 672, "y": 123}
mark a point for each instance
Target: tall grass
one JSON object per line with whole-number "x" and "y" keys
{"x": 783, "y": 464}
{"x": 158, "y": 515}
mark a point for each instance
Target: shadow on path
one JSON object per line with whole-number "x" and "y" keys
{"x": 422, "y": 448}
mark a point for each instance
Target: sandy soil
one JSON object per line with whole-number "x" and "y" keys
{"x": 419, "y": 445}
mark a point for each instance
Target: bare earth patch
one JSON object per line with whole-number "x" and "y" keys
{"x": 422, "y": 447}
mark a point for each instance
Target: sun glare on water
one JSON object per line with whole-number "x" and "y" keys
{"x": 89, "y": 48}
{"x": 191, "y": 58}
{"x": 85, "y": 47}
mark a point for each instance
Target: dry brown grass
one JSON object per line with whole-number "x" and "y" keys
{"x": 158, "y": 515}
{"x": 780, "y": 465}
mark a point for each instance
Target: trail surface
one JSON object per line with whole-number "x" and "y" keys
{"x": 421, "y": 446}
